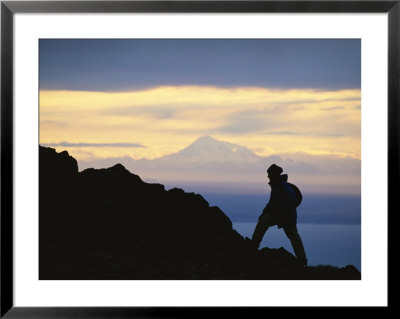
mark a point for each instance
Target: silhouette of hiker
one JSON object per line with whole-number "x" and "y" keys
{"x": 281, "y": 211}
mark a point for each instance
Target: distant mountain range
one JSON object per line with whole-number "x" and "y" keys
{"x": 212, "y": 162}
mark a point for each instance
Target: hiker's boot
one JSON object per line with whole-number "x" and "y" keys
{"x": 302, "y": 261}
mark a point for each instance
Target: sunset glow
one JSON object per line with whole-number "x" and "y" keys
{"x": 214, "y": 112}
{"x": 167, "y": 119}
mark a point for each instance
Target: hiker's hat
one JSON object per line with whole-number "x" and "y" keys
{"x": 274, "y": 170}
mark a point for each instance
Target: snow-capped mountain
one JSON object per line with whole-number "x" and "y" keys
{"x": 209, "y": 150}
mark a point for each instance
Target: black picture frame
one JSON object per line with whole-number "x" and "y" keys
{"x": 9, "y": 8}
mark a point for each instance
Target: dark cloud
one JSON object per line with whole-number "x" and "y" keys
{"x": 67, "y": 144}
{"x": 125, "y": 64}
{"x": 333, "y": 108}
{"x": 251, "y": 120}
{"x": 283, "y": 133}
{"x": 245, "y": 126}
{"x": 52, "y": 123}
{"x": 153, "y": 112}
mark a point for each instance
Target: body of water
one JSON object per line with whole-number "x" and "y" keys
{"x": 314, "y": 209}
{"x": 325, "y": 244}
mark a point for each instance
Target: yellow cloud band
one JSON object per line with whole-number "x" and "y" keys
{"x": 167, "y": 119}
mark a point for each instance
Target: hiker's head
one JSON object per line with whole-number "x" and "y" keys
{"x": 274, "y": 171}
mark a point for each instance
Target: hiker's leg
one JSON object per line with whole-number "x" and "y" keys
{"x": 297, "y": 244}
{"x": 264, "y": 222}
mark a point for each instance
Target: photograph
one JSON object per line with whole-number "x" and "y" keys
{"x": 180, "y": 159}
{"x": 215, "y": 159}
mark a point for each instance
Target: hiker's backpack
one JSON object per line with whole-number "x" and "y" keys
{"x": 299, "y": 196}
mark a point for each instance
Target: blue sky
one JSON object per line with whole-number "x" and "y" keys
{"x": 123, "y": 65}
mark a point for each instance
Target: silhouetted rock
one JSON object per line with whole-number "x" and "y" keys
{"x": 56, "y": 167}
{"x": 109, "y": 224}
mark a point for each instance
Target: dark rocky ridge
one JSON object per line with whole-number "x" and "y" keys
{"x": 109, "y": 224}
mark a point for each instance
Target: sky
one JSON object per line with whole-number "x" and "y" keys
{"x": 150, "y": 98}
{"x": 125, "y": 65}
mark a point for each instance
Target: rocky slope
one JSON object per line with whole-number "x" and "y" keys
{"x": 109, "y": 224}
